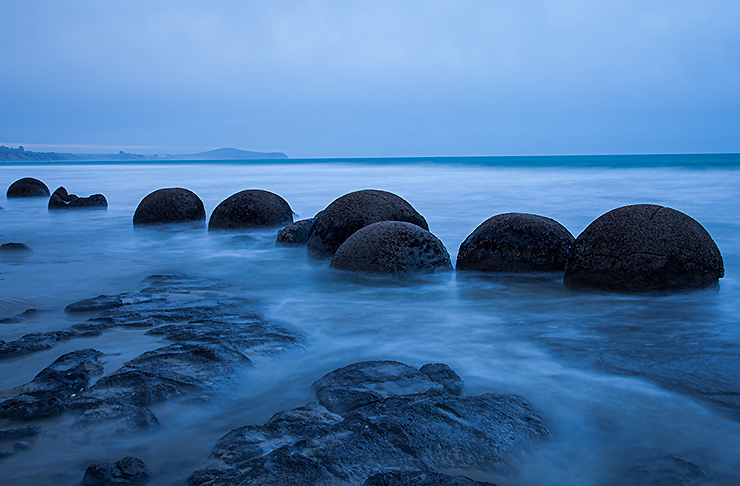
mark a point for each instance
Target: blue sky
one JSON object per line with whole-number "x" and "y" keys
{"x": 380, "y": 78}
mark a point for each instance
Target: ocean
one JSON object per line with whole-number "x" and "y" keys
{"x": 632, "y": 387}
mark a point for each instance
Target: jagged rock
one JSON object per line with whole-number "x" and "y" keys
{"x": 392, "y": 247}
{"x": 60, "y": 199}
{"x": 516, "y": 242}
{"x": 172, "y": 205}
{"x": 420, "y": 478}
{"x": 27, "y": 187}
{"x": 129, "y": 470}
{"x": 295, "y": 234}
{"x": 643, "y": 248}
{"x": 252, "y": 208}
{"x": 353, "y": 211}
{"x": 404, "y": 424}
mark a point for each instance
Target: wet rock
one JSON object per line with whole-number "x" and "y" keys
{"x": 15, "y": 248}
{"x": 392, "y": 247}
{"x": 36, "y": 342}
{"x": 61, "y": 200}
{"x": 121, "y": 418}
{"x": 19, "y": 433}
{"x": 420, "y": 478}
{"x": 129, "y": 470}
{"x": 295, "y": 234}
{"x": 516, "y": 242}
{"x": 354, "y": 211}
{"x": 101, "y": 302}
{"x": 252, "y": 208}
{"x": 172, "y": 205}
{"x": 397, "y": 431}
{"x": 27, "y": 187}
{"x": 443, "y": 374}
{"x": 173, "y": 370}
{"x": 26, "y": 314}
{"x": 643, "y": 248}
{"x": 22, "y": 445}
{"x": 670, "y": 471}
{"x": 45, "y": 395}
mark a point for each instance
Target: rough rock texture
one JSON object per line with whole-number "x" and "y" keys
{"x": 39, "y": 341}
{"x": 26, "y": 314}
{"x": 46, "y": 394}
{"x": 516, "y": 242}
{"x": 15, "y": 248}
{"x": 252, "y": 208}
{"x": 392, "y": 247}
{"x": 60, "y": 199}
{"x": 394, "y": 420}
{"x": 419, "y": 478}
{"x": 95, "y": 304}
{"x": 295, "y": 234}
{"x": 19, "y": 433}
{"x": 27, "y": 187}
{"x": 354, "y": 211}
{"x": 129, "y": 470}
{"x": 172, "y": 205}
{"x": 642, "y": 248}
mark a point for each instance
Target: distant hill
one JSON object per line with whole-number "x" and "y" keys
{"x": 8, "y": 154}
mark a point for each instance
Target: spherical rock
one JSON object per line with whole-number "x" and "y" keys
{"x": 173, "y": 205}
{"x": 27, "y": 187}
{"x": 516, "y": 242}
{"x": 353, "y": 211}
{"x": 252, "y": 208}
{"x": 295, "y": 234}
{"x": 642, "y": 248}
{"x": 392, "y": 247}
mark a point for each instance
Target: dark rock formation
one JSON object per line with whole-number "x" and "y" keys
{"x": 95, "y": 304}
{"x": 129, "y": 470}
{"x": 354, "y": 211}
{"x": 295, "y": 234}
{"x": 643, "y": 248}
{"x": 15, "y": 248}
{"x": 419, "y": 478}
{"x": 394, "y": 422}
{"x": 516, "y": 242}
{"x": 61, "y": 200}
{"x": 173, "y": 205}
{"x": 120, "y": 418}
{"x": 45, "y": 395}
{"x": 19, "y": 433}
{"x": 38, "y": 341}
{"x": 392, "y": 247}
{"x": 27, "y": 187}
{"x": 252, "y": 208}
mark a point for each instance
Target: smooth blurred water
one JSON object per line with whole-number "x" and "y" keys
{"x": 529, "y": 336}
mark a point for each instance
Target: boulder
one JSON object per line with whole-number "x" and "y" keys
{"x": 354, "y": 211}
{"x": 252, "y": 208}
{"x": 60, "y": 199}
{"x": 642, "y": 248}
{"x": 516, "y": 243}
{"x": 172, "y": 205}
{"x": 129, "y": 470}
{"x": 392, "y": 247}
{"x": 27, "y": 187}
{"x": 295, "y": 234}
{"x": 15, "y": 248}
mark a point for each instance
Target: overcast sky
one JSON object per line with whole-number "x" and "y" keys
{"x": 372, "y": 78}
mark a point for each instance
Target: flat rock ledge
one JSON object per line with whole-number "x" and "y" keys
{"x": 378, "y": 423}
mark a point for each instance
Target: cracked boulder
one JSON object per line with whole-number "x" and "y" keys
{"x": 382, "y": 422}
{"x": 60, "y": 199}
{"x": 643, "y": 248}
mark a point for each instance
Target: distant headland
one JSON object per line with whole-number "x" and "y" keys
{"x": 8, "y": 154}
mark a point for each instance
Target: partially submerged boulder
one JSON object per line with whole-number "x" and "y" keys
{"x": 390, "y": 422}
{"x": 171, "y": 205}
{"x": 129, "y": 470}
{"x": 295, "y": 234}
{"x": 516, "y": 243}
{"x": 641, "y": 248}
{"x": 27, "y": 187}
{"x": 354, "y": 211}
{"x": 15, "y": 248}
{"x": 252, "y": 208}
{"x": 60, "y": 199}
{"x": 392, "y": 247}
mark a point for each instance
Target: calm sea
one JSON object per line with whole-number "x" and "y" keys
{"x": 627, "y": 384}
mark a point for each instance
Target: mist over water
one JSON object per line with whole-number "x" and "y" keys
{"x": 628, "y": 385}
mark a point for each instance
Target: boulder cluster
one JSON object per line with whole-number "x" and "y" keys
{"x": 59, "y": 199}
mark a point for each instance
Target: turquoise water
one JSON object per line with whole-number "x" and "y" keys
{"x": 622, "y": 381}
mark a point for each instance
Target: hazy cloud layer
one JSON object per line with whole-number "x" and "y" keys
{"x": 337, "y": 78}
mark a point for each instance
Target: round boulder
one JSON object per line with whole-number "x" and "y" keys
{"x": 392, "y": 247}
{"x": 643, "y": 248}
{"x": 172, "y": 205}
{"x": 27, "y": 187}
{"x": 517, "y": 243}
{"x": 295, "y": 234}
{"x": 353, "y": 211}
{"x": 252, "y": 208}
